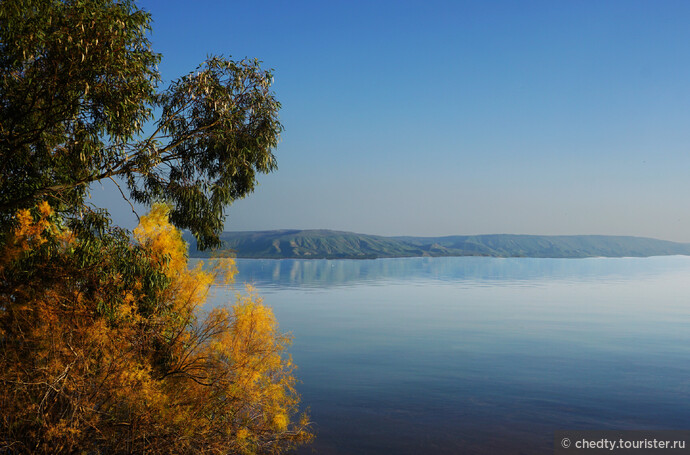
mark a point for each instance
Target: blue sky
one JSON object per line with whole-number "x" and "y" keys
{"x": 452, "y": 117}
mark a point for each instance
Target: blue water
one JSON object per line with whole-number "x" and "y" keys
{"x": 481, "y": 355}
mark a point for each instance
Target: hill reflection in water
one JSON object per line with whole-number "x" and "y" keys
{"x": 320, "y": 273}
{"x": 480, "y": 356}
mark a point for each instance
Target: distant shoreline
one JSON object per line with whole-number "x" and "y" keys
{"x": 326, "y": 244}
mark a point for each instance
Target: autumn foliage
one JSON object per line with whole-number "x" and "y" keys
{"x": 106, "y": 346}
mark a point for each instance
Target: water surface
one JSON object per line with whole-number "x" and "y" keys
{"x": 481, "y": 355}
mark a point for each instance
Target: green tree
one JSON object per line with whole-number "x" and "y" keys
{"x": 79, "y": 89}
{"x": 103, "y": 347}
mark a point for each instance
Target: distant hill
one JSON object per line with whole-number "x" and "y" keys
{"x": 319, "y": 244}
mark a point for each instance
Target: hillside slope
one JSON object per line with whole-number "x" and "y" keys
{"x": 318, "y": 244}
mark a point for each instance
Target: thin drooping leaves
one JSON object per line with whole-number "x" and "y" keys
{"x": 79, "y": 88}
{"x": 105, "y": 346}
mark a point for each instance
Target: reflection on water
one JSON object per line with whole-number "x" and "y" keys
{"x": 482, "y": 355}
{"x": 282, "y": 273}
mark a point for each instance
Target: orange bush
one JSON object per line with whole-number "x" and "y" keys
{"x": 103, "y": 349}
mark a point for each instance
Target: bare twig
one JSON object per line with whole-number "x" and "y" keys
{"x": 125, "y": 198}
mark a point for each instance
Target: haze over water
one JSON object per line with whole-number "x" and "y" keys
{"x": 481, "y": 355}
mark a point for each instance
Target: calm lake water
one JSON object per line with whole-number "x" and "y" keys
{"x": 481, "y": 355}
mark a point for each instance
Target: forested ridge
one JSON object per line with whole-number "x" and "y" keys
{"x": 318, "y": 244}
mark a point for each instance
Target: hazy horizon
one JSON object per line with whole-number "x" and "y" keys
{"x": 457, "y": 118}
{"x": 444, "y": 235}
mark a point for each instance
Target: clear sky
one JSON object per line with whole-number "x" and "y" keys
{"x": 458, "y": 117}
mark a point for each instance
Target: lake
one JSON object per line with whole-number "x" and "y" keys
{"x": 481, "y": 355}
